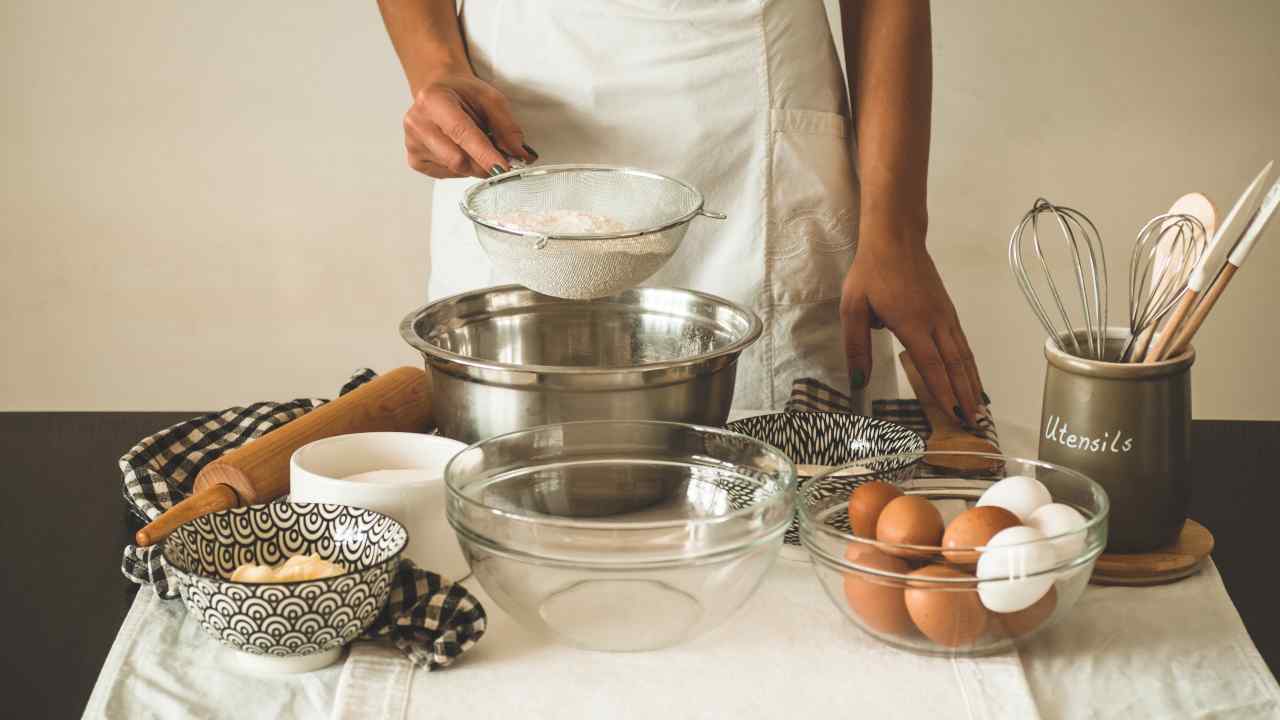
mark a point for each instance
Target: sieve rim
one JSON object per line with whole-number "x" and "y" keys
{"x": 521, "y": 173}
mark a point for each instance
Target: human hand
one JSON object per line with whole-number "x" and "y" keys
{"x": 445, "y": 129}
{"x": 893, "y": 283}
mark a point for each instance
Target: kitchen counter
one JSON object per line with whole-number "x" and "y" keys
{"x": 64, "y": 495}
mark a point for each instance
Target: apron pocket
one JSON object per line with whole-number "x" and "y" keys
{"x": 813, "y": 206}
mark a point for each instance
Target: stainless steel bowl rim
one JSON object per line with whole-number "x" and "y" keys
{"x": 409, "y": 332}
{"x": 164, "y": 545}
{"x": 717, "y": 555}
{"x": 580, "y": 382}
{"x": 785, "y": 495}
{"x": 522, "y": 173}
{"x": 809, "y": 527}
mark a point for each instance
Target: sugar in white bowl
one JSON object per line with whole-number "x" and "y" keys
{"x": 397, "y": 474}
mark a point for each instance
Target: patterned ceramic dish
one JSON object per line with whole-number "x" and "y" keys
{"x": 288, "y": 626}
{"x": 825, "y": 439}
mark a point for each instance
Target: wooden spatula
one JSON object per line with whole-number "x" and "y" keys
{"x": 947, "y": 434}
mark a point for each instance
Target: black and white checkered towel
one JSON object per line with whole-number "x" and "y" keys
{"x": 431, "y": 619}
{"x": 809, "y": 395}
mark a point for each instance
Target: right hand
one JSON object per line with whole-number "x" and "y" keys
{"x": 443, "y": 139}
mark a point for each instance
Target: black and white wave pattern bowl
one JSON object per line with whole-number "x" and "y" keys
{"x": 292, "y": 626}
{"x": 828, "y": 438}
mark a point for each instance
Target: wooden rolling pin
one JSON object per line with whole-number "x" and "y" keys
{"x": 258, "y": 472}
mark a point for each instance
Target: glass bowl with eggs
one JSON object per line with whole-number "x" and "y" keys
{"x": 953, "y": 553}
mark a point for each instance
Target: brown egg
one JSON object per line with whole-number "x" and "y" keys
{"x": 1020, "y": 623}
{"x": 865, "y": 504}
{"x": 877, "y": 601}
{"x": 909, "y": 520}
{"x": 972, "y": 528}
{"x": 950, "y": 616}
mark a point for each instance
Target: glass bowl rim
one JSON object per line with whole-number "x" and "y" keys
{"x": 970, "y": 582}
{"x": 657, "y": 562}
{"x": 784, "y": 494}
{"x": 809, "y": 528}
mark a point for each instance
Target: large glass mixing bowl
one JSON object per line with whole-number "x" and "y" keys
{"x": 620, "y": 535}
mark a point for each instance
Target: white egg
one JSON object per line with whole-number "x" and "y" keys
{"x": 1020, "y": 495}
{"x": 1009, "y": 557}
{"x": 1056, "y": 519}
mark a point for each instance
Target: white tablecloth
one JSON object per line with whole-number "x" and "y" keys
{"x": 1173, "y": 651}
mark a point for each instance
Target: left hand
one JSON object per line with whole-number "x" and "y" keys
{"x": 893, "y": 283}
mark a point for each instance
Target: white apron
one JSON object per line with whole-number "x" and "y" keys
{"x": 743, "y": 99}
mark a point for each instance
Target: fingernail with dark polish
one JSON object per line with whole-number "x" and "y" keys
{"x": 531, "y": 151}
{"x": 857, "y": 379}
{"x": 958, "y": 412}
{"x": 986, "y": 399}
{"x": 496, "y": 170}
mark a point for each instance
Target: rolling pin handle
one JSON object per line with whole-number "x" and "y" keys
{"x": 211, "y": 499}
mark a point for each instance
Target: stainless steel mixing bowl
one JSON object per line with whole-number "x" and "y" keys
{"x": 507, "y": 358}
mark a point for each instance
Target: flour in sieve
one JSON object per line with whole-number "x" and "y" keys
{"x": 575, "y": 268}
{"x": 559, "y": 222}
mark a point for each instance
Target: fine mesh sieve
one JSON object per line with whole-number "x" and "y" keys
{"x": 653, "y": 211}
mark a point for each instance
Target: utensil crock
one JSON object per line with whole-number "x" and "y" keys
{"x": 1127, "y": 426}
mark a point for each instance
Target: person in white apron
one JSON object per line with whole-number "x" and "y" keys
{"x": 744, "y": 100}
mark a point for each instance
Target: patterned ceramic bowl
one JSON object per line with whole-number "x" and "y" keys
{"x": 308, "y": 621}
{"x": 825, "y": 439}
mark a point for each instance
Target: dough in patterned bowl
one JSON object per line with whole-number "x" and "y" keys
{"x": 303, "y": 618}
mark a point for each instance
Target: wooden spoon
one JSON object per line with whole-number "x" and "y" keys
{"x": 1236, "y": 259}
{"x": 1211, "y": 263}
{"x": 947, "y": 434}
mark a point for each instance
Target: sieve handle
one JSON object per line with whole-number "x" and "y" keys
{"x": 712, "y": 214}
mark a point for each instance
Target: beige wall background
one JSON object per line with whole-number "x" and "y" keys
{"x": 206, "y": 204}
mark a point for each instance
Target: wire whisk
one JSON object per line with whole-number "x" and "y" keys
{"x": 1089, "y": 265}
{"x": 1165, "y": 252}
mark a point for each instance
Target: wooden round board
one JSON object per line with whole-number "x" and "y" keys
{"x": 1168, "y": 564}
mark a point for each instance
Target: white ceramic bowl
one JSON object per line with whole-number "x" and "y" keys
{"x": 320, "y": 472}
